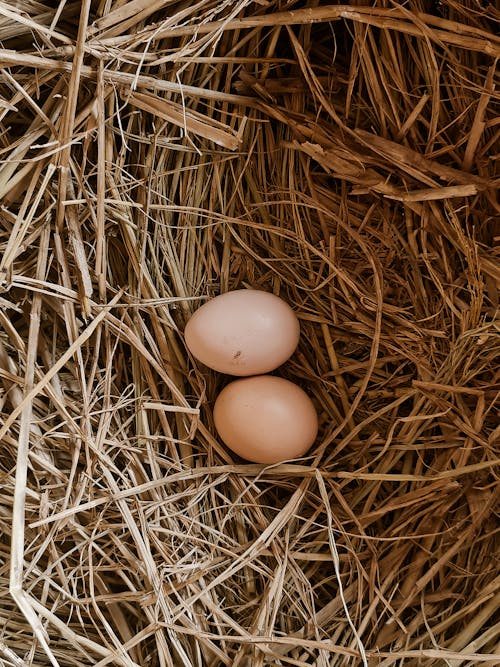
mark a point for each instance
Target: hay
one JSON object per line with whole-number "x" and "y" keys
{"x": 345, "y": 157}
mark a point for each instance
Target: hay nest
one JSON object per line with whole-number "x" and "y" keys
{"x": 344, "y": 157}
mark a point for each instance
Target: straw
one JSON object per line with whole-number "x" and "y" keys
{"x": 344, "y": 157}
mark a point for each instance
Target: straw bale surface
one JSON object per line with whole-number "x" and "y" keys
{"x": 157, "y": 153}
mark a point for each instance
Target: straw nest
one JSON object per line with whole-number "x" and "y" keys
{"x": 156, "y": 153}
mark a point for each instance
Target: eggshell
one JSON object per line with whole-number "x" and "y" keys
{"x": 265, "y": 419}
{"x": 243, "y": 332}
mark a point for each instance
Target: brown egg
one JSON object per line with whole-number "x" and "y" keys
{"x": 266, "y": 419}
{"x": 243, "y": 332}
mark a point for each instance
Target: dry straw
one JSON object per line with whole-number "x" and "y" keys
{"x": 156, "y": 153}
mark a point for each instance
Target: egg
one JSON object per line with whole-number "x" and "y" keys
{"x": 265, "y": 419}
{"x": 243, "y": 332}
